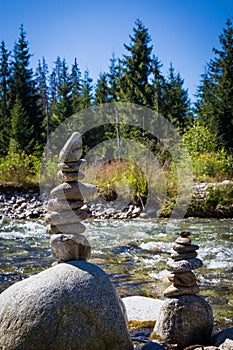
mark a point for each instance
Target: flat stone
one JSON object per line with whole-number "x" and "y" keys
{"x": 70, "y": 167}
{"x": 185, "y": 320}
{"x": 139, "y": 308}
{"x": 55, "y": 204}
{"x": 183, "y": 240}
{"x": 183, "y": 248}
{"x": 183, "y": 256}
{"x": 183, "y": 265}
{"x": 72, "y": 150}
{"x": 174, "y": 291}
{"x": 68, "y": 177}
{"x": 186, "y": 279}
{"x": 69, "y": 247}
{"x": 67, "y": 216}
{"x": 184, "y": 233}
{"x": 74, "y": 228}
{"x": 73, "y": 191}
{"x": 68, "y": 306}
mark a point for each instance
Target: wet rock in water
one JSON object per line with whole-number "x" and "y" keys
{"x": 67, "y": 247}
{"x": 68, "y": 306}
{"x": 185, "y": 320}
{"x": 227, "y": 345}
{"x": 152, "y": 345}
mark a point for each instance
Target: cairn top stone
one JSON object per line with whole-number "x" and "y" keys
{"x": 70, "y": 150}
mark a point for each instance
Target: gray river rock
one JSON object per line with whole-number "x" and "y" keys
{"x": 68, "y": 306}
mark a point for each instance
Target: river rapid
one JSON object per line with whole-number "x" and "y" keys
{"x": 133, "y": 253}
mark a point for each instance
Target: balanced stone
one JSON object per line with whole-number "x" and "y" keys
{"x": 183, "y": 248}
{"x": 72, "y": 149}
{"x": 67, "y": 216}
{"x": 186, "y": 279}
{"x": 184, "y": 265}
{"x": 183, "y": 240}
{"x": 185, "y": 320}
{"x": 74, "y": 228}
{"x": 183, "y": 256}
{"x": 73, "y": 191}
{"x": 55, "y": 204}
{"x": 173, "y": 290}
{"x": 68, "y": 247}
{"x": 70, "y": 167}
{"x": 68, "y": 177}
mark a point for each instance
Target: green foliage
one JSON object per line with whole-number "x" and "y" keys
{"x": 19, "y": 168}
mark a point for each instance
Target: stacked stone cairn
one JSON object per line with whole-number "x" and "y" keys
{"x": 183, "y": 260}
{"x": 66, "y": 206}
{"x": 185, "y": 317}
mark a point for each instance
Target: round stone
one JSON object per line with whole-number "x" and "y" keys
{"x": 184, "y": 265}
{"x": 55, "y": 204}
{"x": 70, "y": 167}
{"x": 67, "y": 216}
{"x": 184, "y": 233}
{"x": 69, "y": 247}
{"x": 183, "y": 256}
{"x": 174, "y": 291}
{"x": 185, "y": 320}
{"x": 183, "y": 240}
{"x": 183, "y": 248}
{"x": 186, "y": 279}
{"x": 74, "y": 228}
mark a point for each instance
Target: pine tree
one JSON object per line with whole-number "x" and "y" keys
{"x": 64, "y": 93}
{"x": 86, "y": 91}
{"x": 215, "y": 94}
{"x": 136, "y": 68}
{"x": 75, "y": 78}
{"x": 113, "y": 78}
{"x": 22, "y": 95}
{"x": 5, "y": 123}
{"x": 102, "y": 89}
{"x": 176, "y": 102}
{"x": 158, "y": 87}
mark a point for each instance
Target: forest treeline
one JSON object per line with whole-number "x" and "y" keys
{"x": 34, "y": 102}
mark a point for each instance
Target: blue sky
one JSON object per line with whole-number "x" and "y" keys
{"x": 182, "y": 31}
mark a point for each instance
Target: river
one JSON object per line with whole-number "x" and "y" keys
{"x": 133, "y": 253}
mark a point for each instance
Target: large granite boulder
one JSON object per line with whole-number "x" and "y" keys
{"x": 68, "y": 306}
{"x": 185, "y": 320}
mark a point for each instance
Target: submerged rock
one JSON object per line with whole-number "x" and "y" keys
{"x": 68, "y": 306}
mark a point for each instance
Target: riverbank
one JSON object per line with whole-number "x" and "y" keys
{"x": 209, "y": 200}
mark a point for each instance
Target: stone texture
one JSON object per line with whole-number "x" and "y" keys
{"x": 55, "y": 204}
{"x": 67, "y": 216}
{"x": 174, "y": 291}
{"x": 227, "y": 345}
{"x": 68, "y": 306}
{"x": 73, "y": 191}
{"x": 183, "y": 240}
{"x": 220, "y": 337}
{"x": 185, "y": 320}
{"x": 184, "y": 265}
{"x": 67, "y": 247}
{"x": 72, "y": 150}
{"x": 151, "y": 345}
{"x": 183, "y": 248}
{"x": 71, "y": 166}
{"x": 139, "y": 308}
{"x": 69, "y": 177}
{"x": 75, "y": 228}
{"x": 183, "y": 256}
{"x": 186, "y": 279}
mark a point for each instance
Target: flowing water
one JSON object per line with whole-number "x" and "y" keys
{"x": 133, "y": 253}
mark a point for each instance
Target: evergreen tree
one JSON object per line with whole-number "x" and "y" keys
{"x": 158, "y": 87}
{"x": 22, "y": 95}
{"x": 215, "y": 94}
{"x": 43, "y": 93}
{"x": 113, "y": 78}
{"x": 86, "y": 91}
{"x": 136, "y": 69}
{"x": 102, "y": 89}
{"x": 64, "y": 93}
{"x": 75, "y": 78}
{"x": 177, "y": 104}
{"x": 5, "y": 123}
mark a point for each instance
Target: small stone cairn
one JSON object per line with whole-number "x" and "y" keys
{"x": 185, "y": 317}
{"x": 66, "y": 207}
{"x": 183, "y": 260}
